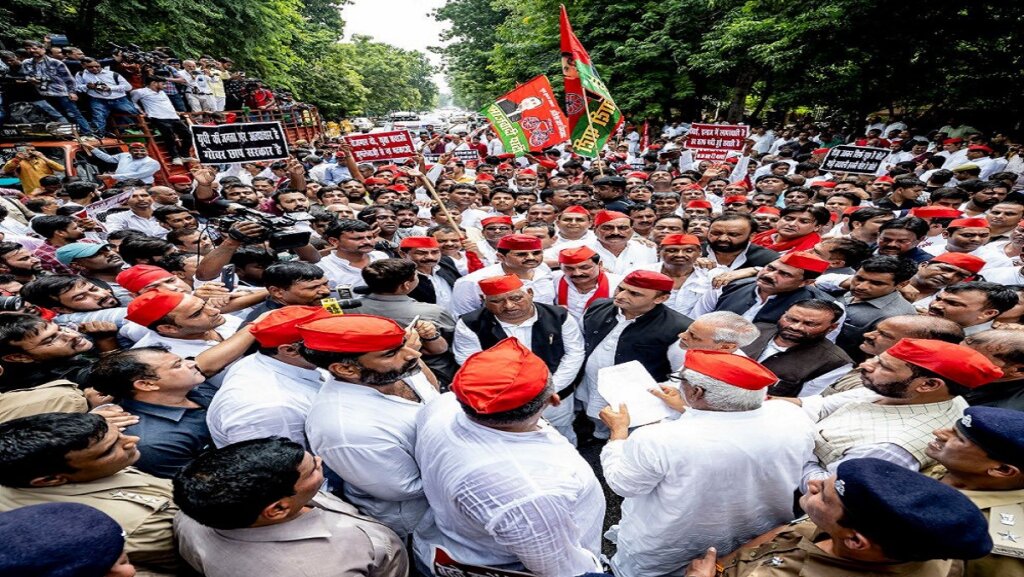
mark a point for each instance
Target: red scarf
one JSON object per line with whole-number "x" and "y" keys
{"x": 600, "y": 293}
{"x": 805, "y": 242}
{"x": 473, "y": 262}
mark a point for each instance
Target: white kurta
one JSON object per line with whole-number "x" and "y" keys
{"x": 502, "y": 498}
{"x": 262, "y": 397}
{"x": 709, "y": 478}
{"x": 631, "y": 258}
{"x": 340, "y": 272}
{"x": 466, "y": 295}
{"x": 685, "y": 298}
{"x": 577, "y": 301}
{"x": 367, "y": 439}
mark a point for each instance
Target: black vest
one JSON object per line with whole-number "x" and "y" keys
{"x": 546, "y": 335}
{"x": 740, "y": 295}
{"x": 645, "y": 340}
{"x": 796, "y": 365}
{"x": 424, "y": 291}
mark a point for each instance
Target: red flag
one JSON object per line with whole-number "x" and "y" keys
{"x": 585, "y": 92}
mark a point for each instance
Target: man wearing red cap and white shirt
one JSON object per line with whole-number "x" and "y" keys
{"x": 184, "y": 323}
{"x": 363, "y": 419}
{"x": 969, "y": 236}
{"x": 547, "y": 330}
{"x": 953, "y": 152}
{"x": 268, "y": 393}
{"x": 910, "y": 390}
{"x": 582, "y": 280}
{"x": 620, "y": 252}
{"x": 437, "y": 272}
{"x": 505, "y": 488}
{"x": 633, "y": 326}
{"x": 678, "y": 252}
{"x": 518, "y": 254}
{"x": 723, "y": 473}
{"x": 139, "y": 215}
{"x": 494, "y": 228}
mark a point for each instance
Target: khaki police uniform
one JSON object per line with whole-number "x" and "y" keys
{"x": 139, "y": 502}
{"x": 793, "y": 553}
{"x": 1005, "y": 513}
{"x": 60, "y": 396}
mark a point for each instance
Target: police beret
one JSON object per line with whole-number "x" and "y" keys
{"x": 616, "y": 181}
{"x": 59, "y": 540}
{"x": 999, "y": 432}
{"x": 911, "y": 516}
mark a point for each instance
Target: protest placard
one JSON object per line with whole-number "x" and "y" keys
{"x": 379, "y": 146}
{"x": 445, "y": 566}
{"x": 462, "y": 155}
{"x": 716, "y": 141}
{"x": 242, "y": 142}
{"x": 854, "y": 159}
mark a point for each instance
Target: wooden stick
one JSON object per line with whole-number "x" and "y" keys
{"x": 430, "y": 188}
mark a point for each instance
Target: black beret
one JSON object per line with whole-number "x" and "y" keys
{"x": 616, "y": 181}
{"x": 58, "y": 540}
{"x": 911, "y": 516}
{"x": 999, "y": 432}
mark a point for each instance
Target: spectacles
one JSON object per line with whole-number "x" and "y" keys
{"x": 497, "y": 228}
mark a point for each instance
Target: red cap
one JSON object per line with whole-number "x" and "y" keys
{"x": 504, "y": 166}
{"x": 935, "y": 212}
{"x": 398, "y": 188}
{"x": 976, "y": 222}
{"x": 527, "y": 172}
{"x": 548, "y": 164}
{"x": 679, "y": 239}
{"x": 506, "y": 156}
{"x": 736, "y": 198}
{"x": 768, "y": 210}
{"x": 501, "y": 219}
{"x": 980, "y": 148}
{"x": 693, "y": 186}
{"x": 885, "y": 178}
{"x": 638, "y": 174}
{"x": 823, "y": 184}
{"x": 699, "y": 204}
{"x": 732, "y": 160}
{"x": 957, "y": 363}
{"x": 737, "y": 370}
{"x": 499, "y": 285}
{"x": 805, "y": 261}
{"x": 607, "y": 215}
{"x": 375, "y": 181}
{"x": 179, "y": 179}
{"x": 953, "y": 141}
{"x": 519, "y": 242}
{"x": 352, "y": 334}
{"x": 648, "y": 279}
{"x": 742, "y": 183}
{"x": 280, "y": 327}
{"x": 577, "y": 209}
{"x": 852, "y": 209}
{"x": 962, "y": 260}
{"x": 138, "y": 277}
{"x": 152, "y": 306}
{"x": 136, "y": 145}
{"x": 484, "y": 177}
{"x": 501, "y": 378}
{"x": 419, "y": 242}
{"x": 575, "y": 255}
{"x": 389, "y": 168}
{"x": 820, "y": 151}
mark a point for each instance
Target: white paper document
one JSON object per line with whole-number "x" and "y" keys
{"x": 630, "y": 384}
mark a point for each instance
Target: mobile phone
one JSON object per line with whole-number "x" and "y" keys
{"x": 227, "y": 276}
{"x": 344, "y": 292}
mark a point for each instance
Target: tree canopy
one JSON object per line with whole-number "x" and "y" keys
{"x": 293, "y": 44}
{"x": 668, "y": 58}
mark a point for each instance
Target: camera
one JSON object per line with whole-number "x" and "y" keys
{"x": 11, "y": 303}
{"x": 278, "y": 231}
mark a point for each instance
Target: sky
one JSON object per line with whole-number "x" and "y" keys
{"x": 402, "y": 23}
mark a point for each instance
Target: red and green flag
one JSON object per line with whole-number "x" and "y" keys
{"x": 593, "y": 115}
{"x": 528, "y": 118}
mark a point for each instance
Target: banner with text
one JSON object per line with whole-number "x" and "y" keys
{"x": 528, "y": 118}
{"x": 593, "y": 115}
{"x": 394, "y": 145}
{"x": 445, "y": 566}
{"x": 855, "y": 159}
{"x": 716, "y": 141}
{"x": 463, "y": 155}
{"x": 245, "y": 142}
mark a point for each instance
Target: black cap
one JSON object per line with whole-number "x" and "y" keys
{"x": 616, "y": 181}
{"x": 59, "y": 540}
{"x": 999, "y": 432}
{"x": 911, "y": 516}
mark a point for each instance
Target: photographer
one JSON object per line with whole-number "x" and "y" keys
{"x": 161, "y": 114}
{"x": 29, "y": 165}
{"x": 21, "y": 97}
{"x": 107, "y": 90}
{"x": 54, "y": 82}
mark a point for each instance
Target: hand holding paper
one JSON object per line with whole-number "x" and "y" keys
{"x": 630, "y": 384}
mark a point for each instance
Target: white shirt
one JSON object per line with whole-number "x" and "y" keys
{"x": 466, "y": 295}
{"x": 467, "y": 342}
{"x": 367, "y": 439}
{"x": 262, "y": 397}
{"x": 131, "y": 221}
{"x": 471, "y": 217}
{"x": 501, "y": 498}
{"x": 577, "y": 301}
{"x": 340, "y": 272}
{"x": 685, "y": 298}
{"x": 709, "y": 478}
{"x": 130, "y": 167}
{"x": 190, "y": 348}
{"x": 1005, "y": 275}
{"x": 154, "y": 104}
{"x": 602, "y": 356}
{"x": 631, "y": 258}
